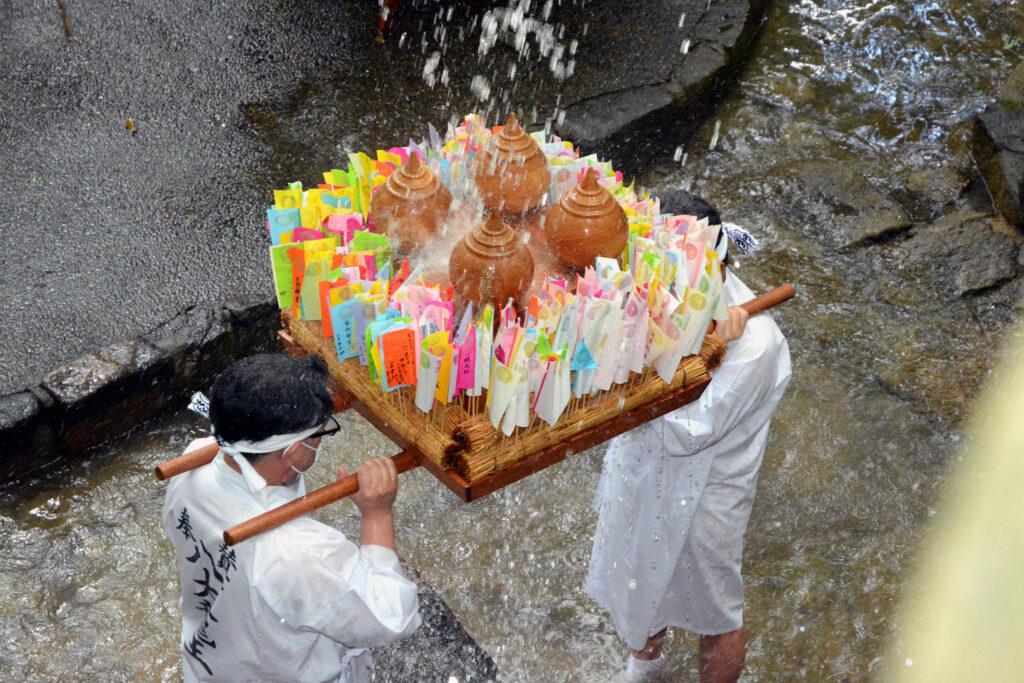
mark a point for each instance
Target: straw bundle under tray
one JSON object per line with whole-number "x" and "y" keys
{"x": 459, "y": 436}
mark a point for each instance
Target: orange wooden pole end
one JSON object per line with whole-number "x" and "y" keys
{"x": 769, "y": 299}
{"x": 186, "y": 462}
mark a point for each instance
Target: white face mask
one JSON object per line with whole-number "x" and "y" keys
{"x": 316, "y": 452}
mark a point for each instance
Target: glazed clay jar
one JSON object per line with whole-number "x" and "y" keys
{"x": 511, "y": 171}
{"x": 587, "y": 222}
{"x": 410, "y": 206}
{"x": 491, "y": 265}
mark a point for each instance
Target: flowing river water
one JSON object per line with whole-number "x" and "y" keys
{"x": 850, "y": 479}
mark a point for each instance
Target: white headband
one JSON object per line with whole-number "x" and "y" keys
{"x": 269, "y": 445}
{"x": 253, "y": 478}
{"x": 201, "y": 405}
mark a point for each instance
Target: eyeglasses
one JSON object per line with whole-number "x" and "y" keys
{"x": 326, "y": 432}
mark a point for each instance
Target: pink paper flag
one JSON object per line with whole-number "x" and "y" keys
{"x": 467, "y": 361}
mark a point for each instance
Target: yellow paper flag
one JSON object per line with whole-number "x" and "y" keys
{"x": 287, "y": 199}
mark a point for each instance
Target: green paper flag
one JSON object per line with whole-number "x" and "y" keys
{"x": 282, "y": 266}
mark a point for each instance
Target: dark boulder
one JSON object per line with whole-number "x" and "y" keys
{"x": 28, "y": 437}
{"x": 999, "y": 149}
{"x": 961, "y": 254}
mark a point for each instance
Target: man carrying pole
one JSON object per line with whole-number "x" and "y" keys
{"x": 301, "y": 601}
{"x": 675, "y": 496}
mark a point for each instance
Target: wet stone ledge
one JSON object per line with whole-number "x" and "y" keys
{"x": 102, "y": 395}
{"x": 657, "y": 75}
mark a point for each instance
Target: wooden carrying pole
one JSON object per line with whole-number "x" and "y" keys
{"x": 404, "y": 461}
{"x": 186, "y": 462}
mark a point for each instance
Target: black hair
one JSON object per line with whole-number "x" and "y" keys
{"x": 269, "y": 394}
{"x": 678, "y": 201}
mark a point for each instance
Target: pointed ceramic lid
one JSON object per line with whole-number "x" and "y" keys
{"x": 513, "y": 141}
{"x": 493, "y": 238}
{"x": 589, "y": 199}
{"x": 413, "y": 180}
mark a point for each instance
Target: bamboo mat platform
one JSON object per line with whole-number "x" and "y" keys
{"x": 457, "y": 443}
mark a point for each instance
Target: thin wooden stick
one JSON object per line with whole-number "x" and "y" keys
{"x": 67, "y": 20}
{"x": 404, "y": 461}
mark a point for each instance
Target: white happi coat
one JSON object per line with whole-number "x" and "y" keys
{"x": 296, "y": 603}
{"x": 675, "y": 495}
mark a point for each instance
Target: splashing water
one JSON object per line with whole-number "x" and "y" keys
{"x": 522, "y": 26}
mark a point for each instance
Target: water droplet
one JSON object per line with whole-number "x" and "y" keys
{"x": 632, "y": 585}
{"x": 480, "y": 87}
{"x": 430, "y": 66}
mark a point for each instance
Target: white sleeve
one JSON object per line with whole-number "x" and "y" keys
{"x": 320, "y": 581}
{"x": 742, "y": 395}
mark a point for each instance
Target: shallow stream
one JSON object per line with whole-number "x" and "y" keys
{"x": 850, "y": 478}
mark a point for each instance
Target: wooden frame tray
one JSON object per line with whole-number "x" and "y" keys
{"x": 457, "y": 443}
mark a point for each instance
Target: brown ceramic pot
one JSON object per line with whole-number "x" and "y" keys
{"x": 491, "y": 265}
{"x": 587, "y": 222}
{"x": 410, "y": 206}
{"x": 511, "y": 171}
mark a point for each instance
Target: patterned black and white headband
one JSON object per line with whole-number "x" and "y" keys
{"x": 741, "y": 238}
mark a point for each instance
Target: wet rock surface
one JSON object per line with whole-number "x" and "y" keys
{"x": 999, "y": 148}
{"x": 439, "y": 651}
{"x": 889, "y": 287}
{"x": 1011, "y": 95}
{"x": 958, "y": 277}
{"x": 962, "y": 254}
{"x": 836, "y": 205}
{"x": 97, "y": 397}
{"x": 937, "y": 186}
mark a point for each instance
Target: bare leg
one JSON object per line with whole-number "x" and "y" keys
{"x": 652, "y": 650}
{"x": 721, "y": 656}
